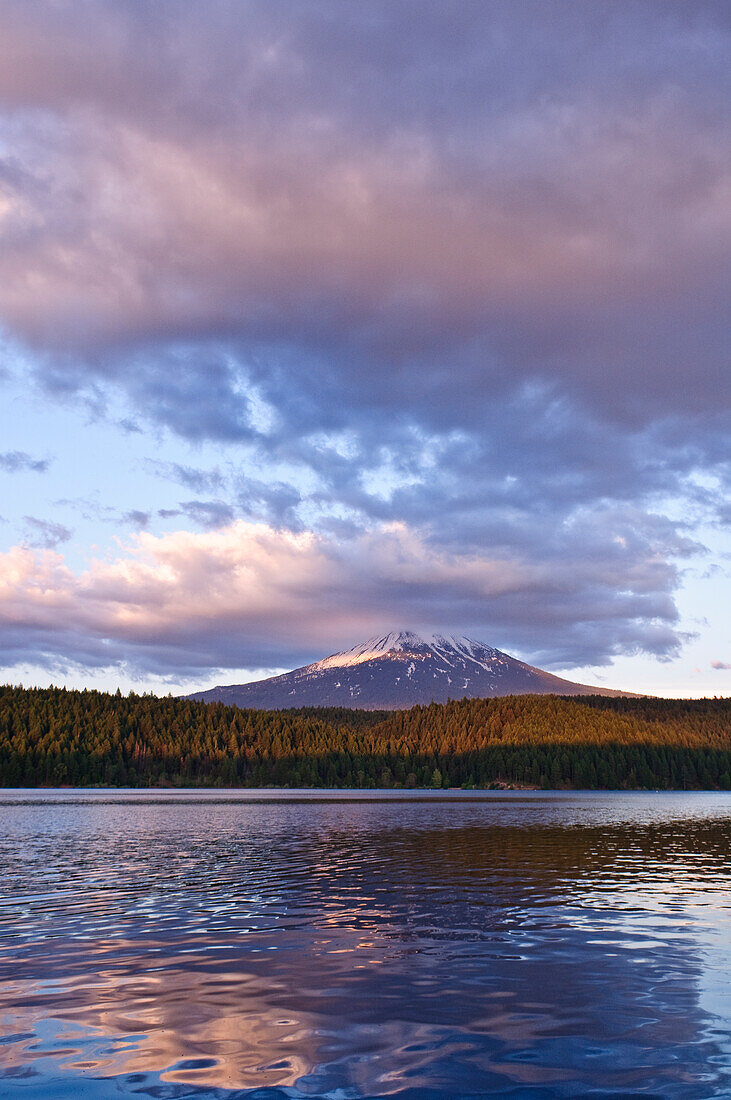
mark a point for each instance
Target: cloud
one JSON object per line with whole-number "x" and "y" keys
{"x": 274, "y": 500}
{"x": 250, "y": 595}
{"x": 137, "y": 519}
{"x": 45, "y": 533}
{"x": 459, "y": 271}
{"x": 720, "y": 665}
{"x": 208, "y": 514}
{"x": 13, "y": 462}
{"x": 192, "y": 477}
{"x": 505, "y": 252}
{"x": 506, "y": 197}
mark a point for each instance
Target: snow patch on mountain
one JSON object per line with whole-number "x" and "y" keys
{"x": 397, "y": 642}
{"x": 408, "y": 644}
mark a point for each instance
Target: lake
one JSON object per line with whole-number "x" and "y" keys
{"x": 364, "y": 944}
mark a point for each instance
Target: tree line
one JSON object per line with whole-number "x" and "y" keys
{"x": 51, "y": 737}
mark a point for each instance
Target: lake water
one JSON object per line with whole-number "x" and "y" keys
{"x": 282, "y": 944}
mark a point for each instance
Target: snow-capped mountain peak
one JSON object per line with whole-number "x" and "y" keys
{"x": 396, "y": 642}
{"x": 402, "y": 644}
{"x": 397, "y": 670}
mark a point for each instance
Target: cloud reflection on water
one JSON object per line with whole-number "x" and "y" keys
{"x": 446, "y": 948}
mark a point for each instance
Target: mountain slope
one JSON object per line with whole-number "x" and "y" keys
{"x": 400, "y": 670}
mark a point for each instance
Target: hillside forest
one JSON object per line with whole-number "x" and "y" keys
{"x": 55, "y": 737}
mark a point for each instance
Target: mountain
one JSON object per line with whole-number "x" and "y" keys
{"x": 397, "y": 671}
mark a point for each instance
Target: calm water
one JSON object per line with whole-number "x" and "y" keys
{"x": 253, "y": 944}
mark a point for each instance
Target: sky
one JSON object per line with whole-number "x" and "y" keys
{"x": 319, "y": 320}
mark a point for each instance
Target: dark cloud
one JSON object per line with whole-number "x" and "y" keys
{"x": 92, "y": 508}
{"x": 207, "y": 514}
{"x": 255, "y": 500}
{"x": 13, "y": 462}
{"x": 201, "y": 481}
{"x": 130, "y": 426}
{"x": 275, "y": 502}
{"x": 137, "y": 519}
{"x": 720, "y": 665}
{"x": 272, "y": 501}
{"x": 405, "y": 205}
{"x": 45, "y": 534}
{"x": 456, "y": 266}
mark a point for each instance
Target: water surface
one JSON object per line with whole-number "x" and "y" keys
{"x": 298, "y": 944}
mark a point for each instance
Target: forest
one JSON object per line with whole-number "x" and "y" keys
{"x": 58, "y": 737}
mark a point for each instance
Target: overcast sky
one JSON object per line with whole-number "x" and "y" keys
{"x": 322, "y": 319}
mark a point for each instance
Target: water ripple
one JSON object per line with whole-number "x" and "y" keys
{"x": 226, "y": 945}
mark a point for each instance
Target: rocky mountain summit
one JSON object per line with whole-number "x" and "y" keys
{"x": 400, "y": 670}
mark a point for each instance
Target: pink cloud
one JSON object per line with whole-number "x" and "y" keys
{"x": 249, "y": 595}
{"x": 288, "y": 209}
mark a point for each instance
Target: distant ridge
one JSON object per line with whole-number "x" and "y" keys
{"x": 400, "y": 670}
